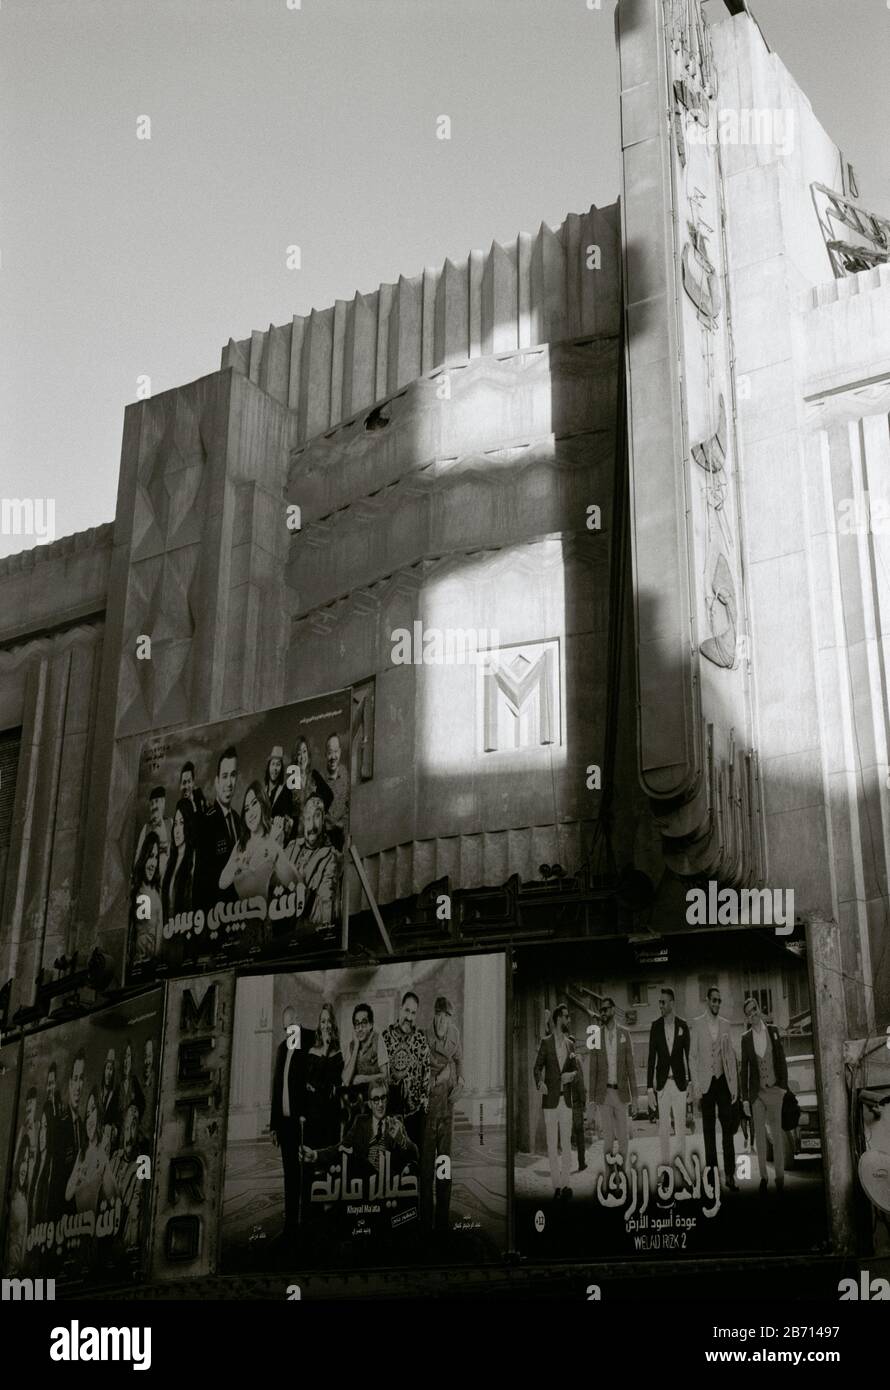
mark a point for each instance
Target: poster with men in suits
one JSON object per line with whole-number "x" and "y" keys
{"x": 367, "y": 1117}
{"x": 79, "y": 1193}
{"x": 237, "y": 838}
{"x": 665, "y": 1098}
{"x": 10, "y": 1057}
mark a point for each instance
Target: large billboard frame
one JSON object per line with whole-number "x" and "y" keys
{"x": 804, "y": 936}
{"x": 126, "y": 1002}
{"x": 293, "y": 884}
{"x": 496, "y": 949}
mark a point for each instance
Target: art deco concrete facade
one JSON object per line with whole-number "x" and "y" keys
{"x": 462, "y": 511}
{"x": 798, "y": 691}
{"x": 444, "y": 439}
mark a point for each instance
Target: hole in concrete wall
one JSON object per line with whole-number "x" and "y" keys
{"x": 378, "y": 418}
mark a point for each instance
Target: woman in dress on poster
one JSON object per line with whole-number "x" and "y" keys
{"x": 255, "y": 857}
{"x": 91, "y": 1176}
{"x": 256, "y": 854}
{"x": 146, "y": 912}
{"x": 324, "y": 1070}
{"x": 278, "y": 795}
{"x": 179, "y": 877}
{"x": 41, "y": 1182}
{"x": 130, "y": 1087}
{"x": 176, "y": 893}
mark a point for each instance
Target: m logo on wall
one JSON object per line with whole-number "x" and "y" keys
{"x": 236, "y": 839}
{"x": 519, "y": 696}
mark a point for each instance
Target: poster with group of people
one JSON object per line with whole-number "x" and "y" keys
{"x": 665, "y": 1099}
{"x": 10, "y": 1057}
{"x": 237, "y": 838}
{"x": 367, "y": 1116}
{"x": 78, "y": 1200}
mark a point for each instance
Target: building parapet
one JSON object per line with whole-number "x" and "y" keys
{"x": 547, "y": 287}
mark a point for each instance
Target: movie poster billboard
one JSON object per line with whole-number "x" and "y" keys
{"x": 9, "y": 1080}
{"x": 651, "y": 1113}
{"x": 79, "y": 1195}
{"x": 367, "y": 1117}
{"x": 191, "y": 1126}
{"x": 237, "y": 838}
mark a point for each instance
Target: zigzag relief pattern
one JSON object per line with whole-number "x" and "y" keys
{"x": 172, "y": 468}
{"x": 458, "y": 510}
{"x": 495, "y": 404}
{"x": 503, "y": 469}
{"x": 169, "y": 517}
{"x": 44, "y": 647}
{"x": 536, "y": 289}
{"x": 542, "y": 566}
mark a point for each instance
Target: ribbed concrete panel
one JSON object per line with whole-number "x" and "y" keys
{"x": 474, "y": 861}
{"x": 341, "y": 309}
{"x": 384, "y": 309}
{"x": 571, "y": 240}
{"x": 428, "y": 340}
{"x": 276, "y": 363}
{"x": 588, "y": 289}
{"x": 533, "y": 290}
{"x": 477, "y": 269}
{"x": 452, "y": 329}
{"x": 298, "y": 328}
{"x": 499, "y": 301}
{"x": 257, "y": 342}
{"x": 606, "y": 234}
{"x": 233, "y": 355}
{"x": 548, "y": 287}
{"x": 315, "y": 384}
{"x": 405, "y": 328}
{"x": 524, "y": 246}
{"x": 360, "y": 355}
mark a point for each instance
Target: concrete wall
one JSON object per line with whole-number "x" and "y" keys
{"x": 331, "y": 363}
{"x": 696, "y": 754}
{"x": 52, "y": 602}
{"x": 464, "y": 506}
{"x": 843, "y": 380}
{"x": 465, "y": 513}
{"x": 815, "y": 599}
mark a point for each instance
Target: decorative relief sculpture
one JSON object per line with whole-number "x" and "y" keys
{"x": 700, "y": 279}
{"x": 687, "y": 102}
{"x": 722, "y": 614}
{"x": 860, "y": 240}
{"x": 689, "y": 39}
{"x": 711, "y": 453}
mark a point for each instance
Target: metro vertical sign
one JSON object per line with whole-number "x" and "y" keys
{"x": 194, "y": 1100}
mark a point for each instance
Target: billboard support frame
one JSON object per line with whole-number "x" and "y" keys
{"x": 369, "y": 894}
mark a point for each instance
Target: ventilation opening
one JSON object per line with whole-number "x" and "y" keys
{"x": 378, "y": 418}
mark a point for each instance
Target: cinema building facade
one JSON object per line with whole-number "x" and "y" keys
{"x": 611, "y": 485}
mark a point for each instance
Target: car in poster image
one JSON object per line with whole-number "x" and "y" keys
{"x": 805, "y": 1141}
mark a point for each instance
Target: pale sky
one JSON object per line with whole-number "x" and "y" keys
{"x": 316, "y": 126}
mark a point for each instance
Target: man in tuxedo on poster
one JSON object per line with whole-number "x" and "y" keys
{"x": 217, "y": 833}
{"x": 288, "y": 1105}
